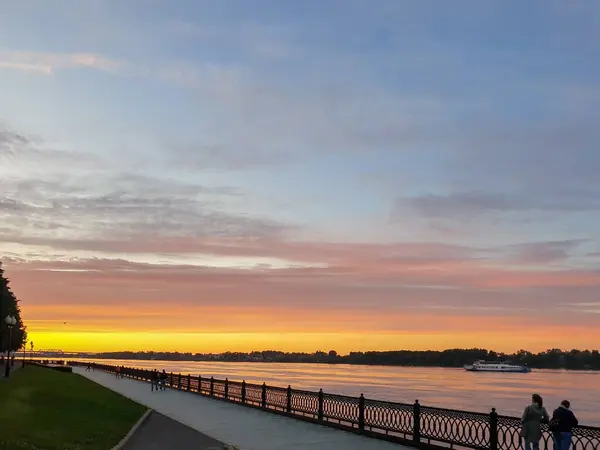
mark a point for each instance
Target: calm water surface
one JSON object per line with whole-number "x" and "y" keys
{"x": 447, "y": 388}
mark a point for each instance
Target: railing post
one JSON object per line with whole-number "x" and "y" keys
{"x": 212, "y": 386}
{"x": 200, "y": 384}
{"x": 361, "y": 412}
{"x": 289, "y": 399}
{"x": 226, "y": 388}
{"x": 493, "y": 430}
{"x": 263, "y": 396}
{"x": 179, "y": 381}
{"x": 244, "y": 391}
{"x": 171, "y": 379}
{"x": 417, "y": 422}
{"x": 189, "y": 386}
{"x": 321, "y": 402}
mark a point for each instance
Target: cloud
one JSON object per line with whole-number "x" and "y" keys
{"x": 26, "y": 67}
{"x": 106, "y": 206}
{"x": 268, "y": 120}
{"x": 22, "y": 150}
{"x": 464, "y": 206}
{"x": 48, "y": 63}
{"x": 345, "y": 267}
{"x": 544, "y": 252}
{"x": 10, "y": 139}
{"x": 458, "y": 205}
{"x": 68, "y": 200}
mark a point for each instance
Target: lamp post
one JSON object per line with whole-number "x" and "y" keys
{"x": 31, "y": 345}
{"x": 24, "y": 351}
{"x": 10, "y": 323}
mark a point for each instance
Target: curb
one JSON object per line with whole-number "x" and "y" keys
{"x": 133, "y": 430}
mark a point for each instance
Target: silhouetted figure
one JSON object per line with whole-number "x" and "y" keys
{"x": 163, "y": 380}
{"x": 533, "y": 417}
{"x": 562, "y": 424}
{"x": 154, "y": 380}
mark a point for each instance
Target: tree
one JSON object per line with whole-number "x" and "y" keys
{"x": 9, "y": 305}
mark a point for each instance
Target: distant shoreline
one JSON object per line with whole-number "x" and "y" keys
{"x": 452, "y": 358}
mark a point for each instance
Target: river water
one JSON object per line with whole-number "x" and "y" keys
{"x": 442, "y": 387}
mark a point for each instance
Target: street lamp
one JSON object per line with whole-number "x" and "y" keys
{"x": 10, "y": 323}
{"x": 24, "y": 351}
{"x": 31, "y": 356}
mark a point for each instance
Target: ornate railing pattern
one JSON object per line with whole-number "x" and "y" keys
{"x": 409, "y": 424}
{"x": 394, "y": 419}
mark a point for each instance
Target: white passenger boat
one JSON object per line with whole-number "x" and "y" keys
{"x": 496, "y": 366}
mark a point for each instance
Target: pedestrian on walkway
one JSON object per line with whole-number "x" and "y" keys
{"x": 163, "y": 380}
{"x": 532, "y": 419}
{"x": 117, "y": 371}
{"x": 562, "y": 424}
{"x": 154, "y": 380}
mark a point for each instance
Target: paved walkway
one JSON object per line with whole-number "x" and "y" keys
{"x": 12, "y": 369}
{"x": 246, "y": 428}
{"x": 159, "y": 432}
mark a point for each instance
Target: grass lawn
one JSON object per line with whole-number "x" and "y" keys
{"x": 45, "y": 409}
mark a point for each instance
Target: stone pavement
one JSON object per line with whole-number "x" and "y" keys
{"x": 246, "y": 428}
{"x": 158, "y": 432}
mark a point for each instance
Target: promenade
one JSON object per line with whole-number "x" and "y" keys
{"x": 246, "y": 428}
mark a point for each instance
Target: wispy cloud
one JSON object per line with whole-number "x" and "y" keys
{"x": 48, "y": 63}
{"x": 26, "y": 67}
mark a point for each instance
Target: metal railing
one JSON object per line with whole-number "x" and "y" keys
{"x": 408, "y": 424}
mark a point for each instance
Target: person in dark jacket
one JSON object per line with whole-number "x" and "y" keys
{"x": 562, "y": 424}
{"x": 163, "y": 380}
{"x": 532, "y": 419}
{"x": 154, "y": 380}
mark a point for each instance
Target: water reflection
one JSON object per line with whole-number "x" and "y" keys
{"x": 446, "y": 388}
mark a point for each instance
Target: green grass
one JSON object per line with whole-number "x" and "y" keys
{"x": 45, "y": 409}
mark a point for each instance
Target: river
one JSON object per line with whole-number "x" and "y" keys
{"x": 509, "y": 393}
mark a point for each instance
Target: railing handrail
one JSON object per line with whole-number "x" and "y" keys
{"x": 409, "y": 424}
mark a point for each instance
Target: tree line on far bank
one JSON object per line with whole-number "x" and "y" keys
{"x": 549, "y": 359}
{"x": 9, "y": 306}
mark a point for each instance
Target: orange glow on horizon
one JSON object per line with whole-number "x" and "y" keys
{"x": 294, "y": 342}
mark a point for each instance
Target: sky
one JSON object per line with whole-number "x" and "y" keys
{"x": 202, "y": 175}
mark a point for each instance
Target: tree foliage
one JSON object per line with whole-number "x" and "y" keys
{"x": 553, "y": 358}
{"x": 9, "y": 305}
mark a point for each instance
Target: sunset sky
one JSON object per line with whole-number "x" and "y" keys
{"x": 207, "y": 175}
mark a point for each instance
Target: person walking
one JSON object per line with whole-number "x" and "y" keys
{"x": 117, "y": 371}
{"x": 163, "y": 380}
{"x": 154, "y": 380}
{"x": 532, "y": 419}
{"x": 562, "y": 424}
